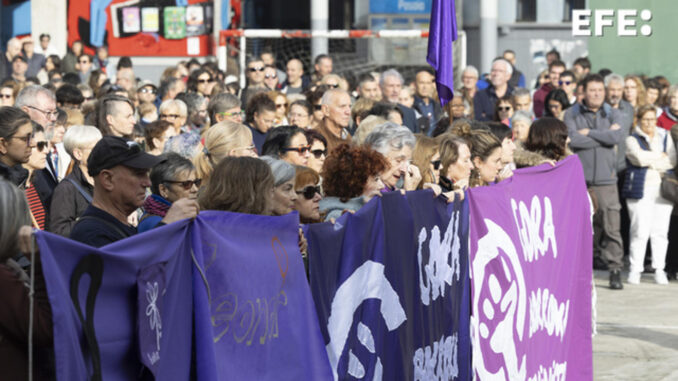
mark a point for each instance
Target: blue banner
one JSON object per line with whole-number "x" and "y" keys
{"x": 400, "y": 6}
{"x": 391, "y": 288}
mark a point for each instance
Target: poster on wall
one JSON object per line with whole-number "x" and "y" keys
{"x": 150, "y": 20}
{"x": 131, "y": 21}
{"x": 175, "y": 23}
{"x": 195, "y": 20}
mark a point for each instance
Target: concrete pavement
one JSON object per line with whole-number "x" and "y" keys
{"x": 637, "y": 331}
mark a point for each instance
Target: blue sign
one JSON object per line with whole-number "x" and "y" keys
{"x": 400, "y": 6}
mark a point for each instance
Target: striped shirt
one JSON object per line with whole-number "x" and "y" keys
{"x": 36, "y": 207}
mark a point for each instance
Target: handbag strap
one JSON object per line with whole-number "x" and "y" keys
{"x": 80, "y": 189}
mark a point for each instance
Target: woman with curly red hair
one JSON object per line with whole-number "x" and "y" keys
{"x": 351, "y": 178}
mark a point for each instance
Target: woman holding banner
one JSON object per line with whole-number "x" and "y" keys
{"x": 486, "y": 156}
{"x": 649, "y": 150}
{"x": 455, "y": 161}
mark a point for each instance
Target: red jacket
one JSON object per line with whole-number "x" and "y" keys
{"x": 539, "y": 98}
{"x": 666, "y": 120}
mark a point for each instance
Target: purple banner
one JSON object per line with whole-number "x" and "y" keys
{"x": 255, "y": 317}
{"x": 531, "y": 277}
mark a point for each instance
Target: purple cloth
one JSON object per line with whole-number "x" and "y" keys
{"x": 442, "y": 33}
{"x": 257, "y": 320}
{"x": 531, "y": 261}
{"x": 99, "y": 326}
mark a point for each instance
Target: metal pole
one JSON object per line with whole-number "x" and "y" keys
{"x": 243, "y": 63}
{"x": 488, "y": 33}
{"x": 320, "y": 15}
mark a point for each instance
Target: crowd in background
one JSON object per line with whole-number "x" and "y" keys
{"x": 92, "y": 152}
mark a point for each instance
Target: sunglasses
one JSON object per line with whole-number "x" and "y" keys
{"x": 505, "y": 108}
{"x": 186, "y": 184}
{"x": 282, "y": 105}
{"x": 317, "y": 107}
{"x": 271, "y": 76}
{"x": 41, "y": 145}
{"x": 318, "y": 153}
{"x": 566, "y": 83}
{"x": 299, "y": 150}
{"x": 436, "y": 164}
{"x": 205, "y": 80}
{"x": 309, "y": 192}
{"x": 253, "y": 69}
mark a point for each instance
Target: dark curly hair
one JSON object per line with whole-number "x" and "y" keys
{"x": 347, "y": 169}
{"x": 258, "y": 104}
{"x": 548, "y": 136}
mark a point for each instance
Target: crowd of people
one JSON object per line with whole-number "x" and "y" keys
{"x": 91, "y": 152}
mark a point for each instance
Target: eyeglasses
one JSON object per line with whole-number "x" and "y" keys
{"x": 299, "y": 150}
{"x": 27, "y": 139}
{"x": 170, "y": 116}
{"x": 333, "y": 85}
{"x": 566, "y": 83}
{"x": 271, "y": 76}
{"x": 281, "y": 105}
{"x": 317, "y": 107}
{"x": 309, "y": 192}
{"x": 6, "y": 96}
{"x": 56, "y": 80}
{"x": 436, "y": 164}
{"x": 253, "y": 69}
{"x": 230, "y": 114}
{"x": 147, "y": 90}
{"x": 649, "y": 120}
{"x": 205, "y": 80}
{"x": 505, "y": 108}
{"x": 318, "y": 153}
{"x": 186, "y": 184}
{"x": 41, "y": 145}
{"x": 47, "y": 114}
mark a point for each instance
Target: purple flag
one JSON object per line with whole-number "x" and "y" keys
{"x": 255, "y": 317}
{"x": 442, "y": 33}
{"x": 531, "y": 260}
{"x": 101, "y": 329}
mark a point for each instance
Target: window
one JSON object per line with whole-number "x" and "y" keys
{"x": 527, "y": 10}
{"x": 571, "y": 5}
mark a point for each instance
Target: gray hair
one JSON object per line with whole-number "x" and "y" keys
{"x": 168, "y": 169}
{"x": 108, "y": 105}
{"x": 521, "y": 92}
{"x": 79, "y": 137}
{"x": 471, "y": 69}
{"x": 673, "y": 89}
{"x": 329, "y": 95}
{"x": 282, "y": 170}
{"x": 509, "y": 67}
{"x": 13, "y": 215}
{"x": 220, "y": 103}
{"x": 28, "y": 95}
{"x": 389, "y": 136}
{"x": 173, "y": 103}
{"x": 390, "y": 73}
{"x": 613, "y": 77}
{"x": 521, "y": 116}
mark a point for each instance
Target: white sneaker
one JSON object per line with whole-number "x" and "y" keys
{"x": 634, "y": 278}
{"x": 660, "y": 277}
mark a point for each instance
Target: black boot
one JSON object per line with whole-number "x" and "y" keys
{"x": 615, "y": 280}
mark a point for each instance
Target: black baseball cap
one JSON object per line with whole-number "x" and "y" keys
{"x": 111, "y": 151}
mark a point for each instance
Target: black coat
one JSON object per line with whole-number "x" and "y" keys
{"x": 68, "y": 203}
{"x": 16, "y": 175}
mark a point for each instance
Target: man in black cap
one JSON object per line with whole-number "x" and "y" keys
{"x": 120, "y": 171}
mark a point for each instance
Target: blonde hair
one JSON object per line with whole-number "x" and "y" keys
{"x": 217, "y": 143}
{"x": 424, "y": 150}
{"x": 366, "y": 126}
{"x": 641, "y": 98}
